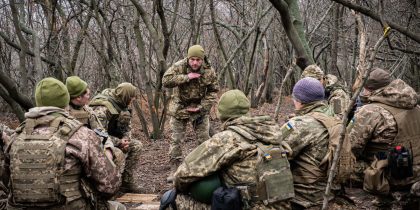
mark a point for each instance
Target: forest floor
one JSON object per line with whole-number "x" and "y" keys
{"x": 153, "y": 168}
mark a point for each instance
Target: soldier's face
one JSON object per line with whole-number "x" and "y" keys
{"x": 83, "y": 99}
{"x": 195, "y": 63}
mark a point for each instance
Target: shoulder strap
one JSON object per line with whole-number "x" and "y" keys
{"x": 103, "y": 100}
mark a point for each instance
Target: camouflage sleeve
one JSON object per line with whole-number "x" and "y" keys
{"x": 211, "y": 93}
{"x": 85, "y": 146}
{"x": 300, "y": 132}
{"x": 104, "y": 116}
{"x": 209, "y": 157}
{"x": 174, "y": 77}
{"x": 361, "y": 128}
{"x": 94, "y": 121}
{"x": 339, "y": 101}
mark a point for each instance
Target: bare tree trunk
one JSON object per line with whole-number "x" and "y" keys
{"x": 231, "y": 82}
{"x": 286, "y": 77}
{"x": 251, "y": 60}
{"x": 361, "y": 67}
{"x": 332, "y": 68}
{"x": 17, "y": 109}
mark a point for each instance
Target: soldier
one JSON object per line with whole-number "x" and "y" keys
{"x": 386, "y": 128}
{"x": 5, "y": 133}
{"x": 192, "y": 100}
{"x": 112, "y": 108}
{"x": 78, "y": 108}
{"x": 235, "y": 155}
{"x": 309, "y": 139}
{"x": 51, "y": 153}
{"x": 336, "y": 96}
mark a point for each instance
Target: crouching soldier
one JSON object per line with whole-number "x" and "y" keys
{"x": 246, "y": 157}
{"x": 385, "y": 136}
{"x": 51, "y": 153}
{"x": 112, "y": 108}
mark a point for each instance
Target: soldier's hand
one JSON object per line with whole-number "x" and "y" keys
{"x": 108, "y": 154}
{"x": 124, "y": 144}
{"x": 193, "y": 75}
{"x": 193, "y": 109}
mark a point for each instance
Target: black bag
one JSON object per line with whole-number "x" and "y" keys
{"x": 400, "y": 162}
{"x": 225, "y": 198}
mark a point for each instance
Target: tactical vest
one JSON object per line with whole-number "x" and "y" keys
{"x": 37, "y": 164}
{"x": 274, "y": 177}
{"x": 114, "y": 129}
{"x": 346, "y": 161}
{"x": 80, "y": 114}
{"x": 408, "y": 124}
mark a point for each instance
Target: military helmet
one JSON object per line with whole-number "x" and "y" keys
{"x": 313, "y": 71}
{"x": 202, "y": 190}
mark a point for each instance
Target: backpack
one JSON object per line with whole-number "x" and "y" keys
{"x": 347, "y": 160}
{"x": 37, "y": 163}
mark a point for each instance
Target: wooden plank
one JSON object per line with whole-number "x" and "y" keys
{"x": 137, "y": 198}
{"x": 147, "y": 206}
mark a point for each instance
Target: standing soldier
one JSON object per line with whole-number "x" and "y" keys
{"x": 384, "y": 135}
{"x": 78, "y": 108}
{"x": 51, "y": 153}
{"x": 112, "y": 108}
{"x": 308, "y": 136}
{"x": 335, "y": 94}
{"x": 196, "y": 92}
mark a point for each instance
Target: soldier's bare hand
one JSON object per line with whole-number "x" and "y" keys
{"x": 193, "y": 75}
{"x": 124, "y": 144}
{"x": 193, "y": 109}
{"x": 108, "y": 154}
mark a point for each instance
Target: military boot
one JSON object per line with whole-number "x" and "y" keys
{"x": 174, "y": 163}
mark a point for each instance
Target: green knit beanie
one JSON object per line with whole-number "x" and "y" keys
{"x": 196, "y": 51}
{"x": 76, "y": 86}
{"x": 232, "y": 104}
{"x": 51, "y": 92}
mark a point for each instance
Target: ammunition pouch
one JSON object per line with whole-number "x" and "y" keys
{"x": 400, "y": 163}
{"x": 168, "y": 199}
{"x": 375, "y": 180}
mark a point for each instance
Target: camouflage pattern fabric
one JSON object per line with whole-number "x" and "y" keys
{"x": 201, "y": 92}
{"x": 309, "y": 141}
{"x": 5, "y": 133}
{"x": 134, "y": 147}
{"x": 313, "y": 71}
{"x": 233, "y": 154}
{"x": 373, "y": 128}
{"x": 83, "y": 153}
{"x": 178, "y": 134}
{"x": 338, "y": 98}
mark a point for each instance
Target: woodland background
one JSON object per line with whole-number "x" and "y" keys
{"x": 251, "y": 44}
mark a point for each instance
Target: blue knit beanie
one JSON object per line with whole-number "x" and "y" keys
{"x": 308, "y": 90}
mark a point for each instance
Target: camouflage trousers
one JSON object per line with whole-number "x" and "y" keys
{"x": 179, "y": 128}
{"x": 130, "y": 181}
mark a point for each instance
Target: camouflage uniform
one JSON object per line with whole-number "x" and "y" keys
{"x": 313, "y": 71}
{"x": 337, "y": 97}
{"x": 87, "y": 117}
{"x": 232, "y": 153}
{"x": 374, "y": 128}
{"x": 5, "y": 133}
{"x": 83, "y": 157}
{"x": 200, "y": 93}
{"x": 114, "y": 115}
{"x": 309, "y": 141}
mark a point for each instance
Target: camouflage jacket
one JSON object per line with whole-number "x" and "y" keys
{"x": 373, "y": 126}
{"x": 85, "y": 115}
{"x": 82, "y": 153}
{"x": 113, "y": 116}
{"x": 338, "y": 98}
{"x": 232, "y": 154}
{"x": 309, "y": 141}
{"x": 201, "y": 92}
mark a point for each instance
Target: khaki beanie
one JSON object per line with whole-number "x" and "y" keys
{"x": 232, "y": 104}
{"x": 196, "y": 51}
{"x": 75, "y": 86}
{"x": 51, "y": 92}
